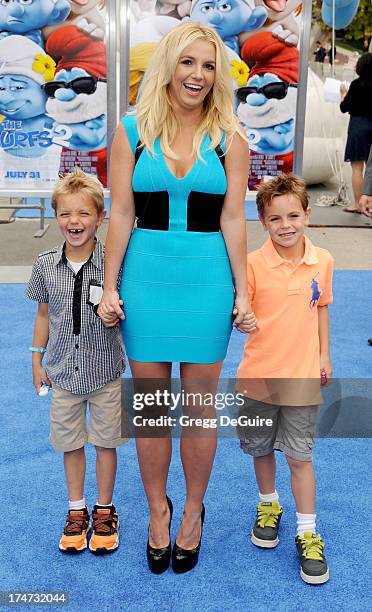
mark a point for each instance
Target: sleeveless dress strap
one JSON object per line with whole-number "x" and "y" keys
{"x": 130, "y": 124}
{"x": 221, "y": 149}
{"x": 222, "y": 144}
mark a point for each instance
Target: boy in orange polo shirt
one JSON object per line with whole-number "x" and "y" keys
{"x": 284, "y": 361}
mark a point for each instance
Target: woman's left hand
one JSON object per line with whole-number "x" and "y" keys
{"x": 245, "y": 320}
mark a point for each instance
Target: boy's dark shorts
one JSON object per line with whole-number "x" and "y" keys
{"x": 292, "y": 430}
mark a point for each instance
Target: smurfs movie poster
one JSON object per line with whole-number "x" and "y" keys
{"x": 53, "y": 91}
{"x": 261, "y": 38}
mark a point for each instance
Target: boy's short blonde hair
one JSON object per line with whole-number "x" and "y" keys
{"x": 281, "y": 185}
{"x": 79, "y": 182}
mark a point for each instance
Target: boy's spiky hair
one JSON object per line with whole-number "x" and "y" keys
{"x": 79, "y": 182}
{"x": 281, "y": 185}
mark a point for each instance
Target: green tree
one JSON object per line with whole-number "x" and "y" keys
{"x": 317, "y": 10}
{"x": 361, "y": 25}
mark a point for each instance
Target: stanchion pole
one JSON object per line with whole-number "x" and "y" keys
{"x": 333, "y": 39}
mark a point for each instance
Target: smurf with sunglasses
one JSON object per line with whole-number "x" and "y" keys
{"x": 267, "y": 105}
{"x": 77, "y": 99}
{"x": 229, "y": 17}
{"x": 28, "y": 17}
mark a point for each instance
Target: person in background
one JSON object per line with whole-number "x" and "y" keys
{"x": 331, "y": 55}
{"x": 367, "y": 43}
{"x": 319, "y": 52}
{"x": 365, "y": 201}
{"x": 357, "y": 101}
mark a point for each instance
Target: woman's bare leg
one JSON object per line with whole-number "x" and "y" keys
{"x": 198, "y": 448}
{"x": 357, "y": 171}
{"x": 154, "y": 454}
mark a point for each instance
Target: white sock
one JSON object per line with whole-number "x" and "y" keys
{"x": 77, "y": 505}
{"x": 305, "y": 522}
{"x": 104, "y": 505}
{"x": 269, "y": 497}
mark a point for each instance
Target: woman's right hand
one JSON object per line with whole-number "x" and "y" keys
{"x": 110, "y": 308}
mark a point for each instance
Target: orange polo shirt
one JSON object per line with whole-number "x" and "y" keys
{"x": 284, "y": 298}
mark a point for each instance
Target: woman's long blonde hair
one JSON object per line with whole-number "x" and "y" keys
{"x": 155, "y": 115}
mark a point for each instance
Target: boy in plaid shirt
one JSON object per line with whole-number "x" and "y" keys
{"x": 84, "y": 362}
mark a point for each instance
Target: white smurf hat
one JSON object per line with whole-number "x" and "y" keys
{"x": 20, "y": 55}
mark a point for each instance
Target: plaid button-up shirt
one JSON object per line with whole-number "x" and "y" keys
{"x": 83, "y": 355}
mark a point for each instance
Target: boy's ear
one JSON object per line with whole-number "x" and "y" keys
{"x": 262, "y": 219}
{"x": 101, "y": 217}
{"x": 307, "y": 215}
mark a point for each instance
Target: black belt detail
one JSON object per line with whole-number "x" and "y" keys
{"x": 76, "y": 303}
{"x": 204, "y": 211}
{"x": 152, "y": 209}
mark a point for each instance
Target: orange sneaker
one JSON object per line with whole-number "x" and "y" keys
{"x": 105, "y": 526}
{"x": 74, "y": 537}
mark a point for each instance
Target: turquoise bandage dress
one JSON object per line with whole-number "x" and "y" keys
{"x": 176, "y": 280}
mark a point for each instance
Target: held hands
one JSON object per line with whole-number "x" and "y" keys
{"x": 39, "y": 377}
{"x": 249, "y": 324}
{"x": 245, "y": 320}
{"x": 110, "y": 308}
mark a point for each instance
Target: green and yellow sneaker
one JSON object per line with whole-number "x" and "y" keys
{"x": 265, "y": 530}
{"x": 314, "y": 568}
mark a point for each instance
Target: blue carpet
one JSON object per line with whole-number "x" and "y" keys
{"x": 232, "y": 574}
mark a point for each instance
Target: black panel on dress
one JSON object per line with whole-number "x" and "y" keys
{"x": 204, "y": 211}
{"x": 152, "y": 209}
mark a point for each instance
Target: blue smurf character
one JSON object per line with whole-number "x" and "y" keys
{"x": 267, "y": 109}
{"x": 229, "y": 17}
{"x": 28, "y": 17}
{"x": 24, "y": 69}
{"x": 345, "y": 11}
{"x": 77, "y": 98}
{"x": 267, "y": 105}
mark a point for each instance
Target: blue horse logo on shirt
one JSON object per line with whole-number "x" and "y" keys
{"x": 316, "y": 292}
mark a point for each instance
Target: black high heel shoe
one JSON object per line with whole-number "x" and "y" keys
{"x": 159, "y": 558}
{"x": 185, "y": 560}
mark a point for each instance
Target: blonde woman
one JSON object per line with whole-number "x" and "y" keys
{"x": 179, "y": 166}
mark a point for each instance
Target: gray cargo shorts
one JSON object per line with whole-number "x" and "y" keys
{"x": 292, "y": 430}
